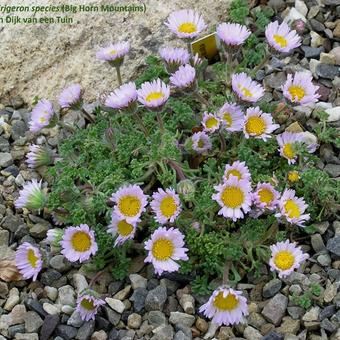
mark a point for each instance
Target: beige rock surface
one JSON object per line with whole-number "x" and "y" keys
{"x": 41, "y": 59}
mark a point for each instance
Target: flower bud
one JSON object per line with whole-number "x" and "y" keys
{"x": 186, "y": 188}
{"x": 54, "y": 236}
{"x": 299, "y": 26}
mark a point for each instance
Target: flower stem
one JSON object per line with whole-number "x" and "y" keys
{"x": 119, "y": 76}
{"x": 201, "y": 99}
{"x": 261, "y": 64}
{"x": 189, "y": 47}
{"x": 226, "y": 270}
{"x": 160, "y": 121}
{"x": 67, "y": 126}
{"x": 96, "y": 277}
{"x": 141, "y": 124}
{"x": 87, "y": 115}
{"x": 177, "y": 168}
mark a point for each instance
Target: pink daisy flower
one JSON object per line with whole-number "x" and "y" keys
{"x": 300, "y": 89}
{"x": 88, "y": 305}
{"x": 70, "y": 97}
{"x": 237, "y": 169}
{"x": 28, "y": 261}
{"x": 234, "y": 198}
{"x": 232, "y": 34}
{"x": 114, "y": 53}
{"x": 31, "y": 196}
{"x": 286, "y": 141}
{"x": 232, "y": 117}
{"x": 258, "y": 124}
{"x": 210, "y": 122}
{"x": 225, "y": 306}
{"x": 164, "y": 248}
{"x": 38, "y": 156}
{"x": 124, "y": 97}
{"x": 122, "y": 229}
{"x": 166, "y": 205}
{"x": 154, "y": 94}
{"x": 292, "y": 208}
{"x": 184, "y": 78}
{"x": 286, "y": 257}
{"x": 245, "y": 88}
{"x": 281, "y": 38}
{"x": 130, "y": 202}
{"x": 41, "y": 115}
{"x": 201, "y": 142}
{"x": 174, "y": 57}
{"x": 186, "y": 24}
{"x": 265, "y": 197}
{"x": 78, "y": 243}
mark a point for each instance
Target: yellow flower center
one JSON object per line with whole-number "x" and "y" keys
{"x": 32, "y": 259}
{"x": 87, "y": 304}
{"x": 211, "y": 122}
{"x": 112, "y": 52}
{"x": 187, "y": 27}
{"x": 245, "y": 91}
{"x": 255, "y": 126}
{"x": 280, "y": 40}
{"x": 42, "y": 120}
{"x": 296, "y": 92}
{"x": 200, "y": 143}
{"x": 81, "y": 241}
{"x": 288, "y": 151}
{"x": 232, "y": 197}
{"x": 129, "y": 205}
{"x": 124, "y": 228}
{"x": 293, "y": 176}
{"x": 162, "y": 249}
{"x": 228, "y": 303}
{"x": 227, "y": 119}
{"x": 154, "y": 96}
{"x": 284, "y": 259}
{"x": 266, "y": 195}
{"x": 235, "y": 173}
{"x": 292, "y": 209}
{"x": 168, "y": 206}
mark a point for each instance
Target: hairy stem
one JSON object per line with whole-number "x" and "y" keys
{"x": 66, "y": 126}
{"x": 96, "y": 277}
{"x": 160, "y": 121}
{"x": 177, "y": 168}
{"x": 201, "y": 99}
{"x": 226, "y": 270}
{"x": 87, "y": 115}
{"x": 119, "y": 75}
{"x": 141, "y": 124}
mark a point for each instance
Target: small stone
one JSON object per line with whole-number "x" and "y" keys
{"x": 116, "y": 305}
{"x": 275, "y": 80}
{"x": 256, "y": 320}
{"x": 201, "y": 325}
{"x": 26, "y": 336}
{"x": 330, "y": 291}
{"x": 333, "y": 170}
{"x": 211, "y": 331}
{"x": 333, "y": 114}
{"x": 333, "y": 245}
{"x": 171, "y": 286}
{"x": 156, "y": 318}
{"x": 51, "y": 293}
{"x": 86, "y": 330}
{"x": 75, "y": 320}
{"x": 327, "y": 312}
{"x": 181, "y": 318}
{"x": 328, "y": 325}
{"x": 60, "y": 263}
{"x": 112, "y": 316}
{"x": 321, "y": 226}
{"x": 49, "y": 325}
{"x": 271, "y": 288}
{"x": 312, "y": 52}
{"x": 317, "y": 40}
{"x": 317, "y": 243}
{"x": 49, "y": 277}
{"x": 188, "y": 303}
{"x": 18, "y": 315}
{"x": 163, "y": 332}
{"x": 312, "y": 314}
{"x": 296, "y": 312}
{"x": 5, "y": 159}
{"x": 51, "y": 309}
{"x": 123, "y": 294}
{"x": 134, "y": 321}
{"x": 181, "y": 336}
{"x": 311, "y": 325}
{"x": 13, "y": 299}
{"x": 313, "y": 11}
{"x": 99, "y": 335}
{"x": 336, "y": 52}
{"x": 289, "y": 325}
{"x": 66, "y": 296}
{"x": 317, "y": 25}
{"x": 273, "y": 336}
{"x": 327, "y": 71}
{"x": 327, "y": 58}
{"x": 225, "y": 333}
{"x": 301, "y": 7}
{"x": 138, "y": 298}
{"x": 275, "y": 309}
{"x": 12, "y": 330}
{"x": 4, "y": 237}
{"x": 66, "y": 332}
{"x": 137, "y": 281}
{"x": 293, "y": 15}
{"x": 324, "y": 260}
{"x": 336, "y": 31}
{"x": 33, "y": 322}
{"x": 251, "y": 333}
{"x": 155, "y": 299}
{"x": 33, "y": 304}
{"x": 3, "y": 290}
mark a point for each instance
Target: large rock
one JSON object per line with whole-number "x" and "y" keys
{"x": 58, "y": 54}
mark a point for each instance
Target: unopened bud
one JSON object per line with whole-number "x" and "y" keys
{"x": 186, "y": 188}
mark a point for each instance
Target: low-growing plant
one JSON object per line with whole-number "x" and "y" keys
{"x": 202, "y": 151}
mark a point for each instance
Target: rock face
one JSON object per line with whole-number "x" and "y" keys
{"x": 59, "y": 54}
